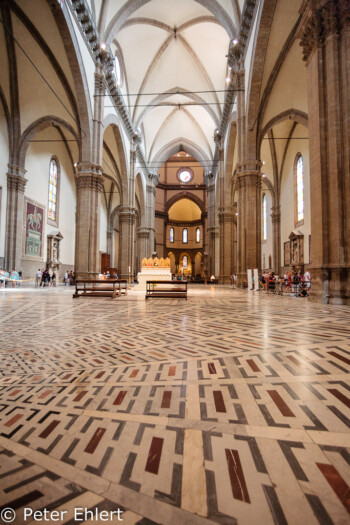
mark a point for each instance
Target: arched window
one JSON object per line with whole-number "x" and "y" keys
{"x": 184, "y": 262}
{"x": 198, "y": 235}
{"x": 185, "y": 236}
{"x": 299, "y": 190}
{"x": 53, "y": 191}
{"x": 171, "y": 235}
{"x": 117, "y": 71}
{"x": 264, "y": 207}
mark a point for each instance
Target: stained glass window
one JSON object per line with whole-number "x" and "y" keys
{"x": 198, "y": 235}
{"x": 171, "y": 234}
{"x": 53, "y": 174}
{"x": 184, "y": 262}
{"x": 185, "y": 236}
{"x": 264, "y": 217}
{"x": 300, "y": 189}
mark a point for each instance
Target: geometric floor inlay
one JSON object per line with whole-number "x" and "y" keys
{"x": 231, "y": 407}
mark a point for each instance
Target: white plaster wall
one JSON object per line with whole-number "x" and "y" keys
{"x": 103, "y": 226}
{"x": 266, "y": 246}
{"x": 4, "y": 158}
{"x": 37, "y": 188}
{"x": 287, "y": 193}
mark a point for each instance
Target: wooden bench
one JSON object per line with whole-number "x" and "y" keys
{"x": 173, "y": 289}
{"x": 100, "y": 288}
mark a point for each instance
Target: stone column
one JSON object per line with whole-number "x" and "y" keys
{"x": 249, "y": 218}
{"x": 143, "y": 234}
{"x": 276, "y": 233}
{"x": 15, "y": 227}
{"x": 325, "y": 39}
{"x": 89, "y": 183}
{"x": 150, "y": 211}
{"x": 226, "y": 232}
{"x": 210, "y": 182}
{"x": 127, "y": 220}
{"x": 110, "y": 249}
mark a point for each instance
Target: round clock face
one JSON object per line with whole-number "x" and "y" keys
{"x": 185, "y": 176}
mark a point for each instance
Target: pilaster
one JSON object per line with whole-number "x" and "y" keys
{"x": 325, "y": 39}
{"x": 89, "y": 185}
{"x": 249, "y": 217}
{"x": 127, "y": 220}
{"x": 276, "y": 233}
{"x": 16, "y": 183}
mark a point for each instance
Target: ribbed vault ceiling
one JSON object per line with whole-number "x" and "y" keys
{"x": 174, "y": 67}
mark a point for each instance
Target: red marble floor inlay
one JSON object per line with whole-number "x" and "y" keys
{"x": 13, "y": 420}
{"x": 80, "y": 395}
{"x": 341, "y": 357}
{"x": 100, "y": 374}
{"x": 14, "y": 393}
{"x": 134, "y": 373}
{"x": 172, "y": 370}
{"x": 154, "y": 455}
{"x": 47, "y": 431}
{"x": 280, "y": 403}
{"x": 253, "y": 365}
{"x": 211, "y": 368}
{"x": 219, "y": 401}
{"x": 339, "y": 395}
{"x": 120, "y": 397}
{"x": 94, "y": 441}
{"x": 45, "y": 394}
{"x": 238, "y": 484}
{"x": 338, "y": 484}
{"x": 166, "y": 399}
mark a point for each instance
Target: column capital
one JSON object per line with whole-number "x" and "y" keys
{"x": 276, "y": 214}
{"x": 87, "y": 168}
{"x": 127, "y": 214}
{"x": 89, "y": 181}
{"x": 321, "y": 19}
{"x": 16, "y": 180}
{"x": 226, "y": 216}
{"x": 143, "y": 232}
{"x": 153, "y": 179}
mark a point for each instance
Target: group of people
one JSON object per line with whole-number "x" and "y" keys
{"x": 69, "y": 278}
{"x": 9, "y": 277}
{"x": 45, "y": 278}
{"x": 294, "y": 282}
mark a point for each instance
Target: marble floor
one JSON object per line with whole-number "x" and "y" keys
{"x": 230, "y": 407}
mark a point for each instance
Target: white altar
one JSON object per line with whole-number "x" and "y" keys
{"x": 153, "y": 273}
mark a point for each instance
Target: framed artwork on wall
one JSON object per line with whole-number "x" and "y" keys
{"x": 34, "y": 214}
{"x": 287, "y": 253}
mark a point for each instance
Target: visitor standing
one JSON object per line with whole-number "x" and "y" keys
{"x": 38, "y": 277}
{"x": 307, "y": 279}
{"x": 66, "y": 278}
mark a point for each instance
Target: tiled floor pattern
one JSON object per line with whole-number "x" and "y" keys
{"x": 228, "y": 408}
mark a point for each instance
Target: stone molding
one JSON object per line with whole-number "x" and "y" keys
{"x": 127, "y": 215}
{"x": 89, "y": 182}
{"x": 226, "y": 216}
{"x": 16, "y": 183}
{"x": 276, "y": 214}
{"x": 144, "y": 233}
{"x": 318, "y": 24}
{"x": 249, "y": 178}
{"x": 100, "y": 86}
